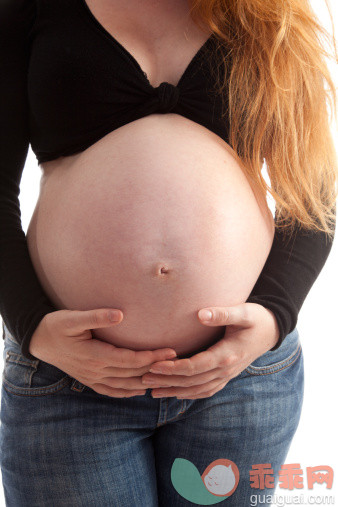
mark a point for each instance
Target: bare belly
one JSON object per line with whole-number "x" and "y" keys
{"x": 156, "y": 219}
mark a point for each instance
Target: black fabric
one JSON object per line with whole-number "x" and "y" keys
{"x": 65, "y": 83}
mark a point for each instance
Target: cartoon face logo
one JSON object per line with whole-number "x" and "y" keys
{"x": 218, "y": 481}
{"x": 221, "y": 477}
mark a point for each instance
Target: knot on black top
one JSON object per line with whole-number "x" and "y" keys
{"x": 168, "y": 95}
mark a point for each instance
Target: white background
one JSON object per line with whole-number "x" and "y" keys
{"x": 315, "y": 442}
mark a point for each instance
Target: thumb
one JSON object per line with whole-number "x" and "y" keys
{"x": 78, "y": 321}
{"x": 240, "y": 315}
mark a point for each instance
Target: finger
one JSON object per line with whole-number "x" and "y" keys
{"x": 205, "y": 394}
{"x": 199, "y": 363}
{"x": 224, "y": 354}
{"x": 180, "y": 380}
{"x": 130, "y": 383}
{"x": 125, "y": 358}
{"x": 115, "y": 371}
{"x": 231, "y": 315}
{"x": 188, "y": 391}
{"x": 78, "y": 321}
{"x": 117, "y": 393}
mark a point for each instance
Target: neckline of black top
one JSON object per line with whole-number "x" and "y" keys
{"x": 85, "y": 8}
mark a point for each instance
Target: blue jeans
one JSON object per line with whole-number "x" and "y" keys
{"x": 63, "y": 444}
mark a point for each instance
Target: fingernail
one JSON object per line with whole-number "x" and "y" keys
{"x": 155, "y": 370}
{"x": 114, "y": 315}
{"x": 205, "y": 315}
{"x": 171, "y": 355}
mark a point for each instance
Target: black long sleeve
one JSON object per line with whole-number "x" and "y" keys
{"x": 293, "y": 265}
{"x": 23, "y": 302}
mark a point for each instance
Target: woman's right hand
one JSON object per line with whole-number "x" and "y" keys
{"x": 63, "y": 339}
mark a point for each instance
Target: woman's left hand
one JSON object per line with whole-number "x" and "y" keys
{"x": 251, "y": 330}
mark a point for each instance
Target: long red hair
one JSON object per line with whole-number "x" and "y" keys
{"x": 279, "y": 87}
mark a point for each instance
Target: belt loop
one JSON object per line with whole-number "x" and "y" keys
{"x": 77, "y": 386}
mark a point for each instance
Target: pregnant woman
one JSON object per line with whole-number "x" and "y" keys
{"x": 150, "y": 122}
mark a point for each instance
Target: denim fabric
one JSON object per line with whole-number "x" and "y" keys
{"x": 62, "y": 444}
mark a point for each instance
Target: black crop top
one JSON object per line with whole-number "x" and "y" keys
{"x": 65, "y": 83}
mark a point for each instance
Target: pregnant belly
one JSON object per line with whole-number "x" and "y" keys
{"x": 156, "y": 219}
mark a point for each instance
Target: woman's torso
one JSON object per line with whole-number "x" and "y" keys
{"x": 156, "y": 219}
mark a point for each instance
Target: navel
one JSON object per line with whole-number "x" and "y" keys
{"x": 162, "y": 269}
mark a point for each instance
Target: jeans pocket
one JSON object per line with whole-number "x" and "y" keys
{"x": 280, "y": 359}
{"x": 29, "y": 377}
